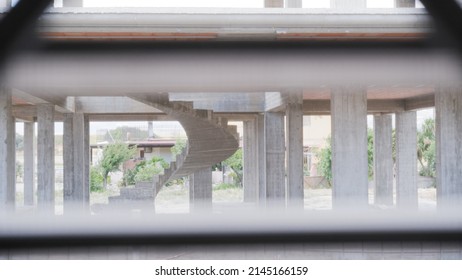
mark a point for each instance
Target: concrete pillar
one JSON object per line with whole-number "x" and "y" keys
{"x": 76, "y": 161}
{"x": 293, "y": 3}
{"x": 348, "y": 4}
{"x": 73, "y": 3}
{"x": 406, "y": 160}
{"x": 46, "y": 158}
{"x": 274, "y": 3}
{"x": 261, "y": 160}
{"x": 383, "y": 160}
{"x": 405, "y": 3}
{"x": 68, "y": 163}
{"x": 349, "y": 147}
{"x": 29, "y": 163}
{"x": 448, "y": 105}
{"x": 200, "y": 190}
{"x": 7, "y": 151}
{"x": 86, "y": 162}
{"x": 294, "y": 144}
{"x": 250, "y": 155}
{"x": 275, "y": 159}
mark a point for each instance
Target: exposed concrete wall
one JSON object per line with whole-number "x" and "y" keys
{"x": 294, "y": 144}
{"x": 406, "y": 160}
{"x": 405, "y": 3}
{"x": 383, "y": 160}
{"x": 348, "y": 4}
{"x": 45, "y": 158}
{"x": 448, "y": 105}
{"x": 73, "y": 3}
{"x": 349, "y": 147}
{"x": 7, "y": 151}
{"x": 29, "y": 163}
{"x": 261, "y": 160}
{"x": 275, "y": 159}
{"x": 250, "y": 155}
{"x": 274, "y": 3}
{"x": 200, "y": 190}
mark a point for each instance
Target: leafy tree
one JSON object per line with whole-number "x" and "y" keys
{"x": 96, "y": 180}
{"x": 147, "y": 169}
{"x": 180, "y": 144}
{"x": 113, "y": 156}
{"x": 235, "y": 163}
{"x": 19, "y": 141}
{"x": 426, "y": 149}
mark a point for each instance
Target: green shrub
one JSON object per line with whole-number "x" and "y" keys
{"x": 426, "y": 148}
{"x": 96, "y": 180}
{"x": 180, "y": 144}
{"x": 144, "y": 171}
{"x": 224, "y": 186}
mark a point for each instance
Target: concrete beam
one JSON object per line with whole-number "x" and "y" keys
{"x": 200, "y": 190}
{"x": 294, "y": 144}
{"x": 275, "y": 159}
{"x": 349, "y": 147}
{"x": 374, "y": 106}
{"x": 45, "y": 158}
{"x": 293, "y": 3}
{"x": 250, "y": 156}
{"x": 406, "y": 160}
{"x": 29, "y": 163}
{"x": 383, "y": 160}
{"x": 7, "y": 151}
{"x": 420, "y": 102}
{"x": 448, "y": 105}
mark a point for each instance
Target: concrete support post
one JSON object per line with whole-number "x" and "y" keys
{"x": 250, "y": 154}
{"x": 200, "y": 190}
{"x": 46, "y": 158}
{"x": 73, "y": 3}
{"x": 294, "y": 144}
{"x": 86, "y": 162}
{"x": 349, "y": 147}
{"x": 261, "y": 160}
{"x": 293, "y": 3}
{"x": 29, "y": 163}
{"x": 274, "y": 3}
{"x": 448, "y": 105}
{"x": 348, "y": 4}
{"x": 406, "y": 160}
{"x": 383, "y": 160}
{"x": 405, "y": 3}
{"x": 7, "y": 151}
{"x": 68, "y": 162}
{"x": 275, "y": 159}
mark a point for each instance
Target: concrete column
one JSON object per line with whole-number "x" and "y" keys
{"x": 275, "y": 159}
{"x": 405, "y": 3}
{"x": 68, "y": 162}
{"x": 294, "y": 144}
{"x": 250, "y": 155}
{"x": 261, "y": 160}
{"x": 46, "y": 158}
{"x": 448, "y": 105}
{"x": 293, "y": 3}
{"x": 406, "y": 160}
{"x": 86, "y": 162}
{"x": 274, "y": 3}
{"x": 7, "y": 151}
{"x": 348, "y": 4}
{"x": 383, "y": 160}
{"x": 73, "y": 3}
{"x": 29, "y": 163}
{"x": 200, "y": 190}
{"x": 349, "y": 147}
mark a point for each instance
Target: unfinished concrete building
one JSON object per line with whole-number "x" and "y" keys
{"x": 269, "y": 79}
